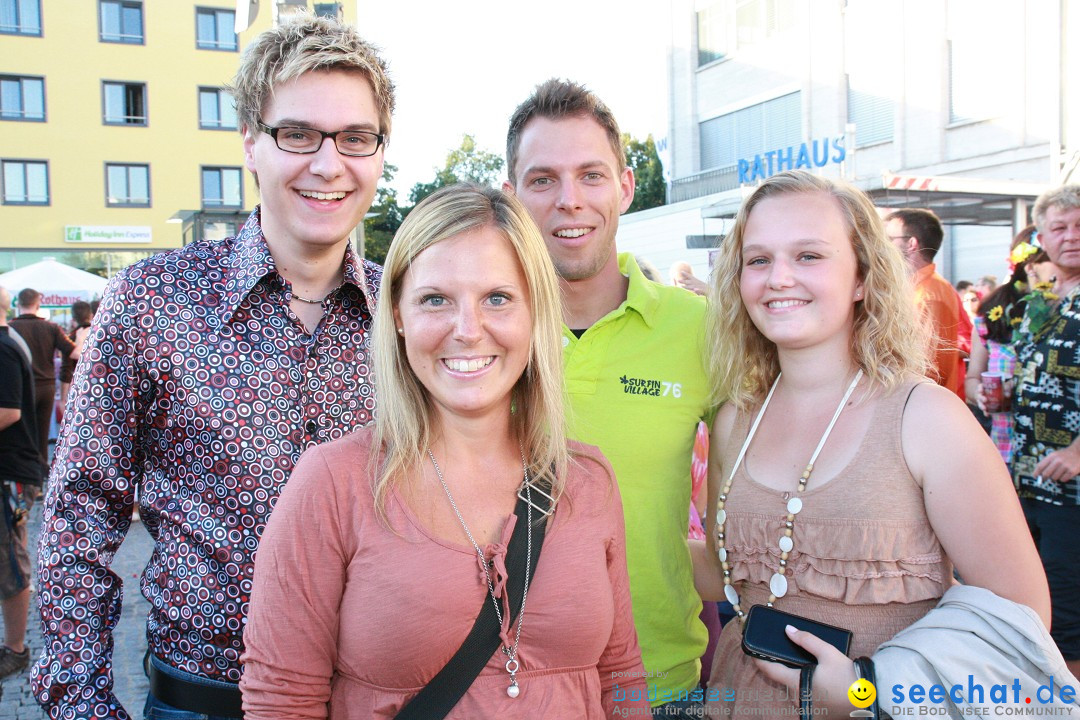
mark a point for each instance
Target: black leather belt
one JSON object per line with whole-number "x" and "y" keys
{"x": 194, "y": 697}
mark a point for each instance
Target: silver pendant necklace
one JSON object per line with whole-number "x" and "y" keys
{"x": 310, "y": 301}
{"x": 513, "y": 690}
{"x": 314, "y": 301}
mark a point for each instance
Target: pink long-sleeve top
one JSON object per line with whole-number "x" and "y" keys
{"x": 350, "y": 618}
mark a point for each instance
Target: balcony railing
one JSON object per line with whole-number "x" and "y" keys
{"x": 704, "y": 183}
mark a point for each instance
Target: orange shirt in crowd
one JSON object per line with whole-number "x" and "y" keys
{"x": 939, "y": 301}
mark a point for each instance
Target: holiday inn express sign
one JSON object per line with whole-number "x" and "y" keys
{"x": 107, "y": 234}
{"x": 816, "y": 153}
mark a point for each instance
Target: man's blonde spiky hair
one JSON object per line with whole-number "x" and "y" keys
{"x": 301, "y": 44}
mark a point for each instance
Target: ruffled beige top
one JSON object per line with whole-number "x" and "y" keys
{"x": 865, "y": 557}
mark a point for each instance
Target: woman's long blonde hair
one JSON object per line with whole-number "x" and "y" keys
{"x": 403, "y": 419}
{"x": 889, "y": 341}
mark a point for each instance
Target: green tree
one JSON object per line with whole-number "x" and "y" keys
{"x": 642, "y": 158}
{"x": 466, "y": 163}
{"x": 384, "y": 218}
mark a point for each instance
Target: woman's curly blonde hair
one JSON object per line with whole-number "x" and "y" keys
{"x": 889, "y": 341}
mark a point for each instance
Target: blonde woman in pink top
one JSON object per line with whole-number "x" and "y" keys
{"x": 385, "y": 544}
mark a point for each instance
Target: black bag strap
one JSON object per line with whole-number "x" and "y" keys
{"x": 451, "y": 683}
{"x": 806, "y": 691}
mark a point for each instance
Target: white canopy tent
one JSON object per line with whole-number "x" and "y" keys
{"x": 60, "y": 284}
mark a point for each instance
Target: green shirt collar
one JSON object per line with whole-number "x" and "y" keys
{"x": 641, "y": 295}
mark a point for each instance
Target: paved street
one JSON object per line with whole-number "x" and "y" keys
{"x": 130, "y": 637}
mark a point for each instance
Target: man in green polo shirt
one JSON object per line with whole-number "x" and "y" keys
{"x": 634, "y": 367}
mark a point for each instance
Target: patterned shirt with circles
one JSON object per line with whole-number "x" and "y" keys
{"x": 201, "y": 388}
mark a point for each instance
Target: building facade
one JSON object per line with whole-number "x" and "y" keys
{"x": 922, "y": 103}
{"x": 118, "y": 139}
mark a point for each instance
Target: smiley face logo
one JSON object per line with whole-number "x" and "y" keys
{"x": 862, "y": 693}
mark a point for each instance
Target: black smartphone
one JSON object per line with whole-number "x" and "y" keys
{"x": 764, "y": 636}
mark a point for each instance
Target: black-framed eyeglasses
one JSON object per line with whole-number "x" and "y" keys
{"x": 302, "y": 140}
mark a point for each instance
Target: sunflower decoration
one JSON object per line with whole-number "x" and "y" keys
{"x": 995, "y": 313}
{"x": 1021, "y": 253}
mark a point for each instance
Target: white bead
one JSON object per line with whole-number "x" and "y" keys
{"x": 513, "y": 691}
{"x": 786, "y": 543}
{"x": 794, "y": 505}
{"x": 731, "y": 595}
{"x": 778, "y": 585}
{"x": 721, "y": 517}
{"x": 722, "y": 554}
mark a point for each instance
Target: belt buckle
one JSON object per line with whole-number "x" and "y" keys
{"x": 522, "y": 495}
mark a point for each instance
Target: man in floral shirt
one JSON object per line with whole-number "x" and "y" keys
{"x": 207, "y": 371}
{"x": 1046, "y": 414}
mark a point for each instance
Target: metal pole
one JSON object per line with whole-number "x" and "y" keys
{"x": 848, "y": 170}
{"x": 1020, "y": 215}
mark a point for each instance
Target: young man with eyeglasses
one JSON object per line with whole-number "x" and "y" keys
{"x": 207, "y": 372}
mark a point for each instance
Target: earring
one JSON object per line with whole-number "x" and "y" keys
{"x": 401, "y": 331}
{"x": 858, "y": 294}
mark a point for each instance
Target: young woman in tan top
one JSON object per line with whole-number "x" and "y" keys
{"x": 842, "y": 485}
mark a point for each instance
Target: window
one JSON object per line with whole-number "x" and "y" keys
{"x": 981, "y": 76}
{"x": 26, "y": 182}
{"x": 214, "y": 29}
{"x": 729, "y": 25}
{"x": 121, "y": 21}
{"x": 874, "y": 78}
{"x": 770, "y": 125}
{"x": 222, "y": 187}
{"x": 219, "y": 229}
{"x": 124, "y": 103}
{"x": 22, "y": 98}
{"x": 216, "y": 109}
{"x": 20, "y": 17}
{"x": 330, "y": 10}
{"x": 760, "y": 20}
{"x": 872, "y": 114}
{"x": 127, "y": 185}
{"x": 711, "y": 40}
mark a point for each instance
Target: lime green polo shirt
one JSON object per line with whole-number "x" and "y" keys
{"x": 637, "y": 387}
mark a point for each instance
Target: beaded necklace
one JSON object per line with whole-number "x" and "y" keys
{"x": 778, "y": 584}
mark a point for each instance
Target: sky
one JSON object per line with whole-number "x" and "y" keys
{"x": 463, "y": 66}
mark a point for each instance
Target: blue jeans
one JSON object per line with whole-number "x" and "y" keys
{"x": 157, "y": 710}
